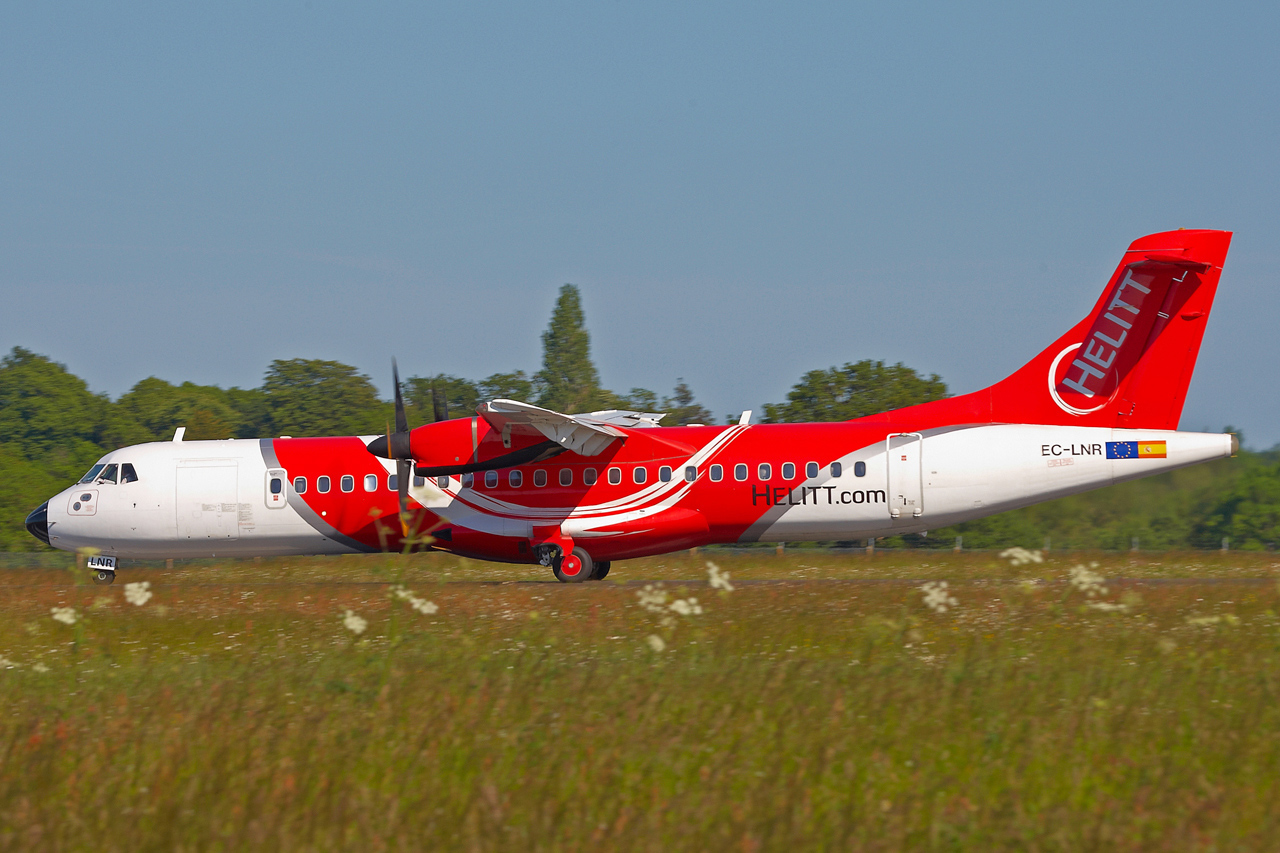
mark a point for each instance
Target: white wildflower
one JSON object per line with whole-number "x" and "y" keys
{"x": 5, "y": 663}
{"x": 655, "y": 642}
{"x": 936, "y": 597}
{"x": 1021, "y": 556}
{"x": 1087, "y": 581}
{"x": 1108, "y": 607}
{"x": 39, "y": 667}
{"x": 686, "y": 607}
{"x": 353, "y": 623}
{"x": 137, "y": 593}
{"x": 65, "y": 615}
{"x": 427, "y": 608}
{"x": 652, "y": 598}
{"x": 1204, "y": 621}
{"x": 718, "y": 579}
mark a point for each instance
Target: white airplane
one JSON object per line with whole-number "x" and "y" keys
{"x": 517, "y": 483}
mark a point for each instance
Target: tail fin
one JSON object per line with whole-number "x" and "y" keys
{"x": 1127, "y": 364}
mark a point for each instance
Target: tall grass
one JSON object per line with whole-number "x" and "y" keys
{"x": 224, "y": 714}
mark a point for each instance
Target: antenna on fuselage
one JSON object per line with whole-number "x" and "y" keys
{"x": 179, "y": 433}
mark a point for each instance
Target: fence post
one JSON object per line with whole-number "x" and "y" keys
{"x": 871, "y": 545}
{"x": 782, "y": 547}
{"x": 1133, "y": 546}
{"x": 1226, "y": 543}
{"x": 959, "y": 546}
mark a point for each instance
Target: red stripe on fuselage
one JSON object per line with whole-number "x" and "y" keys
{"x": 728, "y": 506}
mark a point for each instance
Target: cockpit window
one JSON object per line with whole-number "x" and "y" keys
{"x": 127, "y": 474}
{"x": 93, "y": 473}
{"x": 109, "y": 474}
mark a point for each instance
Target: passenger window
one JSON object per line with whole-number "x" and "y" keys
{"x": 690, "y": 473}
{"x": 442, "y": 482}
{"x": 740, "y": 472}
{"x": 419, "y": 482}
{"x": 300, "y": 485}
{"x": 127, "y": 474}
{"x": 566, "y": 477}
{"x": 639, "y": 475}
{"x": 371, "y": 482}
{"x": 322, "y": 485}
{"x": 93, "y": 473}
{"x": 516, "y": 479}
{"x": 664, "y": 473}
{"x": 347, "y": 483}
{"x": 765, "y": 471}
{"x": 393, "y": 482}
{"x": 277, "y": 485}
{"x": 811, "y": 470}
{"x": 468, "y": 481}
{"x": 540, "y": 477}
{"x": 717, "y": 473}
{"x": 859, "y": 469}
{"x": 615, "y": 476}
{"x": 788, "y": 470}
{"x": 836, "y": 469}
{"x": 109, "y": 474}
{"x": 589, "y": 476}
{"x": 491, "y": 479}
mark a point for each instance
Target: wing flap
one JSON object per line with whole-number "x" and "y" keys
{"x": 586, "y": 435}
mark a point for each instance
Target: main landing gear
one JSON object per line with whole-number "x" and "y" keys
{"x": 104, "y": 577}
{"x": 574, "y": 567}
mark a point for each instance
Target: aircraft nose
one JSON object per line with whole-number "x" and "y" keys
{"x": 38, "y": 522}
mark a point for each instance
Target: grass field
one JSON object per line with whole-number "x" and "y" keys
{"x": 820, "y": 704}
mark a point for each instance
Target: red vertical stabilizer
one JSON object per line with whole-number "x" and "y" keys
{"x": 1127, "y": 364}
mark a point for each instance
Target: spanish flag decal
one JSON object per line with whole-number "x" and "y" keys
{"x": 1152, "y": 450}
{"x": 1137, "y": 450}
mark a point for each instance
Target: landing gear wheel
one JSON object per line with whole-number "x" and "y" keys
{"x": 573, "y": 568}
{"x": 602, "y": 570}
{"x": 104, "y": 577}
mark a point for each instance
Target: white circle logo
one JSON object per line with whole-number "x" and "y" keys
{"x": 1053, "y": 386}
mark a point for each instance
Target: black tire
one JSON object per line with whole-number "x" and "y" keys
{"x": 103, "y": 577}
{"x": 564, "y": 567}
{"x": 601, "y": 570}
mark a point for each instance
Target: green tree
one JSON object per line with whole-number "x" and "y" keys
{"x": 461, "y": 395}
{"x": 568, "y": 381}
{"x": 153, "y": 409}
{"x": 313, "y": 398}
{"x": 48, "y": 415}
{"x": 854, "y": 391}
{"x": 1248, "y": 514}
{"x": 507, "y": 386}
{"x": 683, "y": 409}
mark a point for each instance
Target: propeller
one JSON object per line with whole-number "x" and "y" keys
{"x": 397, "y": 448}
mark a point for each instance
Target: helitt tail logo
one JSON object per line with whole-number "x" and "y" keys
{"x": 1083, "y": 377}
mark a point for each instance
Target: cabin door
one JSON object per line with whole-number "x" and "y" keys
{"x": 906, "y": 469}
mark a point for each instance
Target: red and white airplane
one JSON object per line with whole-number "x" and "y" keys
{"x": 518, "y": 483}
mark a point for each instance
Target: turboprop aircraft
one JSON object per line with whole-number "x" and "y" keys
{"x": 574, "y": 492}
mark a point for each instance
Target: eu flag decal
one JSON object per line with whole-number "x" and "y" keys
{"x": 1122, "y": 450}
{"x": 1137, "y": 450}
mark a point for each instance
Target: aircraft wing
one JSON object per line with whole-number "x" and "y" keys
{"x": 586, "y": 435}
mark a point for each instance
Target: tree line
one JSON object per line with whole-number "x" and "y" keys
{"x": 52, "y": 428}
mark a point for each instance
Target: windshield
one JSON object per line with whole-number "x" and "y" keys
{"x": 93, "y": 473}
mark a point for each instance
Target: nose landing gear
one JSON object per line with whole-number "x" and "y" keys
{"x": 104, "y": 577}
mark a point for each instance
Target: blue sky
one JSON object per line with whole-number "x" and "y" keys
{"x": 743, "y": 192}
